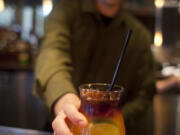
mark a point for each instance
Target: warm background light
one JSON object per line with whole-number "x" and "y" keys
{"x": 47, "y": 7}
{"x": 179, "y": 7}
{"x": 158, "y": 39}
{"x": 2, "y": 5}
{"x": 159, "y": 3}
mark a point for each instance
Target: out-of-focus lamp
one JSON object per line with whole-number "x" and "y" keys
{"x": 159, "y": 3}
{"x": 47, "y": 7}
{"x": 158, "y": 39}
{"x": 2, "y": 5}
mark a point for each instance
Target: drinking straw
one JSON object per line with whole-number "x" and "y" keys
{"x": 120, "y": 59}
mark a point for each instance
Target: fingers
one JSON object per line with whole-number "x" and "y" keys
{"x": 75, "y": 116}
{"x": 69, "y": 98}
{"x": 59, "y": 125}
{"x": 66, "y": 108}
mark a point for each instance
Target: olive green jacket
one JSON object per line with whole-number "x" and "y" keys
{"x": 79, "y": 48}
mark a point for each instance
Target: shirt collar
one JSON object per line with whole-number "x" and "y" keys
{"x": 88, "y": 6}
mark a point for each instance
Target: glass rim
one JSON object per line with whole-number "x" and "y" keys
{"x": 82, "y": 87}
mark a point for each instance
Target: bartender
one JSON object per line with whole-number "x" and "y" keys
{"x": 82, "y": 43}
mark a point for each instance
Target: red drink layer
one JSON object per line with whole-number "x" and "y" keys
{"x": 99, "y": 104}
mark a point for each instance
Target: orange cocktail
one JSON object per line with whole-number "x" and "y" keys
{"x": 102, "y": 110}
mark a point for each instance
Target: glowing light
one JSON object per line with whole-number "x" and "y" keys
{"x": 2, "y": 5}
{"x": 158, "y": 39}
{"x": 159, "y": 3}
{"x": 47, "y": 7}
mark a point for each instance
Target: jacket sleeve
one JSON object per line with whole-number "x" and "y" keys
{"x": 53, "y": 65}
{"x": 143, "y": 86}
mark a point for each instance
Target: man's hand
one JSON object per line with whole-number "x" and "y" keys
{"x": 67, "y": 107}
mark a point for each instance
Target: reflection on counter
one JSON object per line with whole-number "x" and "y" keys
{"x": 18, "y": 106}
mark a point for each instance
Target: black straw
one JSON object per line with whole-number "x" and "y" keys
{"x": 120, "y": 58}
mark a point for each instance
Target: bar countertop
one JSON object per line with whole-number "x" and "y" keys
{"x": 18, "y": 131}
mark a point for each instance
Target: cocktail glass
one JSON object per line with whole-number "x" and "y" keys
{"x": 102, "y": 110}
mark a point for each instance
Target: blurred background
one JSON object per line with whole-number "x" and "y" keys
{"x": 21, "y": 32}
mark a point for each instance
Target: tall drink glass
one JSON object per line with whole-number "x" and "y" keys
{"x": 102, "y": 110}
